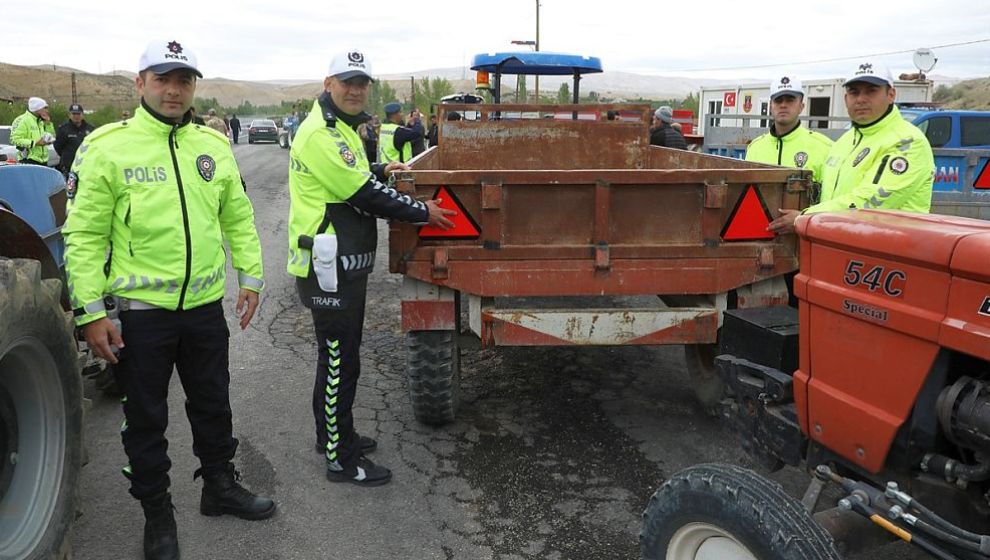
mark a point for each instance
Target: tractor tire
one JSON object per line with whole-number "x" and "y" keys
{"x": 724, "y": 512}
{"x": 709, "y": 389}
{"x": 41, "y": 415}
{"x": 433, "y": 369}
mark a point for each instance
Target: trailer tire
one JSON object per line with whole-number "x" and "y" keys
{"x": 709, "y": 389}
{"x": 727, "y": 512}
{"x": 434, "y": 375}
{"x": 40, "y": 415}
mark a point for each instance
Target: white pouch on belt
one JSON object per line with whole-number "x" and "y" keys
{"x": 325, "y": 261}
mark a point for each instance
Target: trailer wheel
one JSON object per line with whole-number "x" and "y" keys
{"x": 434, "y": 372}
{"x": 708, "y": 387}
{"x": 724, "y": 512}
{"x": 40, "y": 415}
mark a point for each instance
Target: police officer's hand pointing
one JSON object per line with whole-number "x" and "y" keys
{"x": 100, "y": 336}
{"x": 437, "y": 214}
{"x": 247, "y": 302}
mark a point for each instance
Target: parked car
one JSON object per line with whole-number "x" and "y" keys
{"x": 9, "y": 153}
{"x": 262, "y": 129}
{"x": 956, "y": 129}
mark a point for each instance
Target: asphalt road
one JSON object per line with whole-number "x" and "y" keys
{"x": 554, "y": 454}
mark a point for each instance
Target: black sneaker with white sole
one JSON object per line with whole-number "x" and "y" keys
{"x": 362, "y": 473}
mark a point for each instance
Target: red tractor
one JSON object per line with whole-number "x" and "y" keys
{"x": 887, "y": 397}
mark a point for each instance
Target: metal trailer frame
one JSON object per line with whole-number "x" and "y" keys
{"x": 637, "y": 258}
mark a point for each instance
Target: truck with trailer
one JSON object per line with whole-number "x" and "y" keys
{"x": 575, "y": 231}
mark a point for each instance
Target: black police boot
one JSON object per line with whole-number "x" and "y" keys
{"x": 365, "y": 443}
{"x": 362, "y": 473}
{"x": 222, "y": 494}
{"x": 161, "y": 541}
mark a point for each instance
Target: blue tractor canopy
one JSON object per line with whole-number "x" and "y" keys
{"x": 536, "y": 64}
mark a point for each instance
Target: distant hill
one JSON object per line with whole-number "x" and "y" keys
{"x": 96, "y": 90}
{"x": 968, "y": 94}
{"x": 55, "y": 86}
{"x": 54, "y": 83}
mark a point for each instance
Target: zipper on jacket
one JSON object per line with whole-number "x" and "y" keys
{"x": 859, "y": 138}
{"x": 172, "y": 145}
{"x": 780, "y": 150}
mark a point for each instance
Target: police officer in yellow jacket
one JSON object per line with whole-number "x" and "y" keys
{"x": 788, "y": 143}
{"x": 32, "y": 132}
{"x": 395, "y": 142}
{"x": 882, "y": 162}
{"x": 162, "y": 195}
{"x": 335, "y": 196}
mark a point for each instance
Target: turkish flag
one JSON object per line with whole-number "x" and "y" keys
{"x": 729, "y": 100}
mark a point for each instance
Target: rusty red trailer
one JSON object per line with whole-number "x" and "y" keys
{"x": 578, "y": 231}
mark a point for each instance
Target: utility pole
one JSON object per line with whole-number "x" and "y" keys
{"x": 74, "y": 97}
{"x": 412, "y": 92}
{"x": 537, "y": 49}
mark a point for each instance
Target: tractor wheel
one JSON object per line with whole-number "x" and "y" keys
{"x": 434, "y": 372}
{"x": 40, "y": 415}
{"x": 724, "y": 512}
{"x": 708, "y": 387}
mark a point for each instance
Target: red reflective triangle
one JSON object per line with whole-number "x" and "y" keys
{"x": 749, "y": 219}
{"x": 983, "y": 180}
{"x": 464, "y": 225}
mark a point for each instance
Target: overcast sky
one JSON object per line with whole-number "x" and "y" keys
{"x": 265, "y": 40}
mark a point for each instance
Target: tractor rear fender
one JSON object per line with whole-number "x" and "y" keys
{"x": 19, "y": 241}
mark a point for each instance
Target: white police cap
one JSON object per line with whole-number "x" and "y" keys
{"x": 347, "y": 64}
{"x": 162, "y": 57}
{"x": 871, "y": 72}
{"x": 786, "y": 85}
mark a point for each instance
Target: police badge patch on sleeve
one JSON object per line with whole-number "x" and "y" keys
{"x": 71, "y": 185}
{"x": 348, "y": 156}
{"x": 206, "y": 167}
{"x": 861, "y": 156}
{"x": 898, "y": 166}
{"x": 800, "y": 159}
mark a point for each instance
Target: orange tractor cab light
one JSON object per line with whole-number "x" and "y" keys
{"x": 482, "y": 80}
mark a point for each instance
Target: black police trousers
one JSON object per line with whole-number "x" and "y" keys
{"x": 194, "y": 342}
{"x": 338, "y": 366}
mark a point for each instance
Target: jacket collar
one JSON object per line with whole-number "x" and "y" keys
{"x": 891, "y": 115}
{"x": 147, "y": 117}
{"x": 773, "y": 132}
{"x": 332, "y": 113}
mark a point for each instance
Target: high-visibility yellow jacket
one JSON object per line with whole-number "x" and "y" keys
{"x": 386, "y": 145}
{"x": 887, "y": 164}
{"x": 162, "y": 198}
{"x": 801, "y": 148}
{"x": 333, "y": 189}
{"x": 25, "y": 132}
